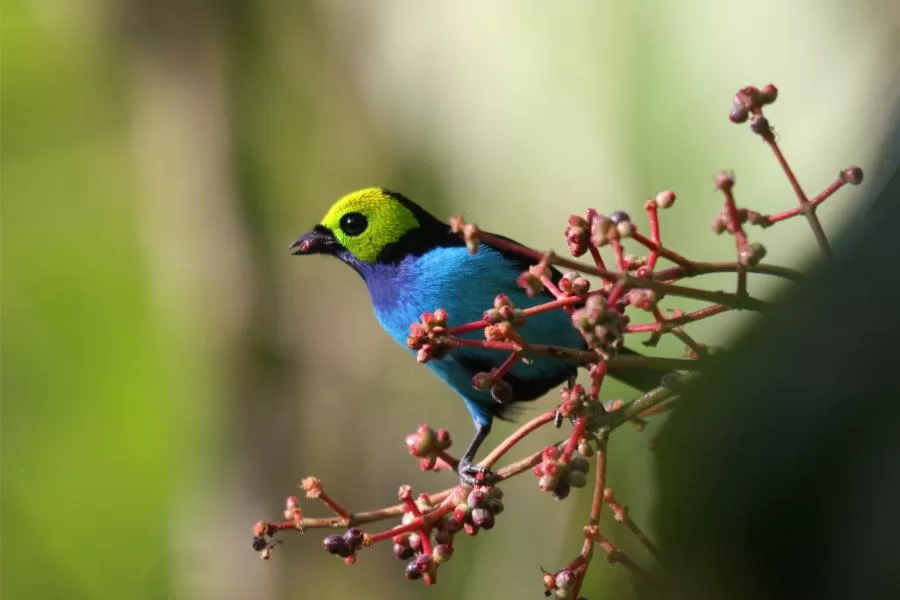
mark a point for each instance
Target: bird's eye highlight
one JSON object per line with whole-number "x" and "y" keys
{"x": 354, "y": 223}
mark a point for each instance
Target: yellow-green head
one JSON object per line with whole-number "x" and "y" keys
{"x": 370, "y": 226}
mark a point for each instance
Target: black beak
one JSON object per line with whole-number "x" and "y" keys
{"x": 317, "y": 241}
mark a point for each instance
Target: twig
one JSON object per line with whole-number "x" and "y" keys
{"x": 621, "y": 515}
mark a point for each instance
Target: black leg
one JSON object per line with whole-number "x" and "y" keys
{"x": 468, "y": 472}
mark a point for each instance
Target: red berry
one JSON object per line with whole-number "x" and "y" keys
{"x": 477, "y": 498}
{"x": 462, "y": 513}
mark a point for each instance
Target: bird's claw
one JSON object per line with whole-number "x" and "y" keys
{"x": 472, "y": 474}
{"x": 558, "y": 418}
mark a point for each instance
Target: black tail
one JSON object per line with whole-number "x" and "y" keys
{"x": 640, "y": 379}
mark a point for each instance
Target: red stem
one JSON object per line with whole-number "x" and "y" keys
{"x": 597, "y": 376}
{"x": 620, "y": 254}
{"x": 412, "y": 507}
{"x": 551, "y": 287}
{"x": 577, "y": 433}
{"x": 614, "y": 555}
{"x": 599, "y": 485}
{"x": 507, "y": 364}
{"x": 659, "y": 249}
{"x": 616, "y": 293}
{"x": 566, "y": 306}
{"x": 587, "y": 550}
{"x": 697, "y": 315}
{"x": 811, "y": 217}
{"x": 621, "y": 514}
{"x": 447, "y": 458}
{"x": 333, "y": 505}
{"x": 563, "y": 302}
{"x": 734, "y": 221}
{"x": 520, "y": 434}
{"x": 653, "y": 213}
{"x": 598, "y": 258}
{"x": 468, "y": 327}
{"x": 414, "y": 525}
{"x": 833, "y": 187}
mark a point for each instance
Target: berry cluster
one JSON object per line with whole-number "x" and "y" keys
{"x": 560, "y": 584}
{"x": 503, "y": 311}
{"x": 601, "y": 326}
{"x": 574, "y": 284}
{"x": 559, "y": 474}
{"x": 425, "y": 551}
{"x": 346, "y": 544}
{"x": 576, "y": 401}
{"x": 595, "y": 230}
{"x": 429, "y": 445}
{"x": 428, "y": 336}
{"x": 748, "y": 103}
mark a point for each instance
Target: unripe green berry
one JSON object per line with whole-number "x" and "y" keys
{"x": 442, "y": 553}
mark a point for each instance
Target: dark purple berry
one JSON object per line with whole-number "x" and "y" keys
{"x": 424, "y": 562}
{"x": 562, "y": 489}
{"x": 619, "y": 216}
{"x": 354, "y": 538}
{"x": 495, "y": 506}
{"x": 442, "y": 536}
{"x": 579, "y": 463}
{"x": 576, "y": 478}
{"x": 482, "y": 517}
{"x": 259, "y": 543}
{"x": 336, "y": 544}
{"x": 412, "y": 570}
{"x": 403, "y": 552}
{"x": 759, "y": 125}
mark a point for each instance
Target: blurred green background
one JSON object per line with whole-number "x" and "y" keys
{"x": 169, "y": 372}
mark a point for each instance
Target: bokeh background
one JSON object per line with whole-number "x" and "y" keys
{"x": 169, "y": 372}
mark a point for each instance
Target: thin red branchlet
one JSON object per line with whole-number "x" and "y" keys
{"x": 602, "y": 311}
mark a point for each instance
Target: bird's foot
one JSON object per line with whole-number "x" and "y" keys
{"x": 472, "y": 474}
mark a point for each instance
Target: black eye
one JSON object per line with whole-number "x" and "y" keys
{"x": 354, "y": 223}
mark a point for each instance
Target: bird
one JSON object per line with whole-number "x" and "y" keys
{"x": 411, "y": 263}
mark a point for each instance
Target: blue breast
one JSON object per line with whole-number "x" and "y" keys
{"x": 465, "y": 285}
